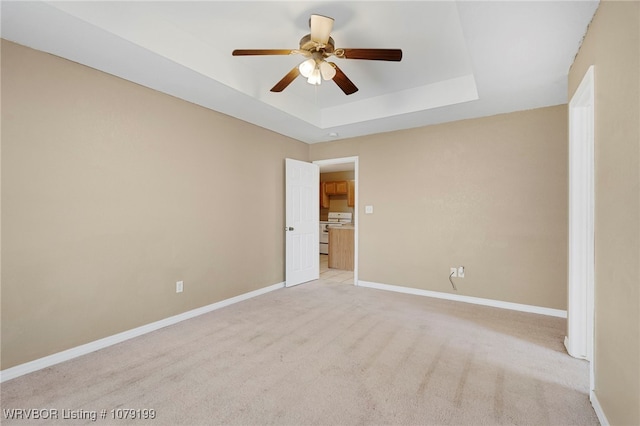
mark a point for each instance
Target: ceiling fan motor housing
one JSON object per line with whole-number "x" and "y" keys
{"x": 310, "y": 46}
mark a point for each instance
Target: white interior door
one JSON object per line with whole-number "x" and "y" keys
{"x": 302, "y": 222}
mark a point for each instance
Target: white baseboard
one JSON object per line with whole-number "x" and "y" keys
{"x": 467, "y": 299}
{"x": 598, "y": 409}
{"x": 48, "y": 361}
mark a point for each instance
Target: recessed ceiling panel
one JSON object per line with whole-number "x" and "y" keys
{"x": 460, "y": 59}
{"x": 202, "y": 35}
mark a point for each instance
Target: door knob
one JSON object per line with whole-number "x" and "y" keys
{"x": 288, "y": 228}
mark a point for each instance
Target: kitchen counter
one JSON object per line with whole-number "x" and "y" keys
{"x": 341, "y": 247}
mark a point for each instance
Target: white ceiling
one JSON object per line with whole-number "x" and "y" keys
{"x": 461, "y": 59}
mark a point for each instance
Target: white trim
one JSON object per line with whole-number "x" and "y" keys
{"x": 598, "y": 409}
{"x": 48, "y": 361}
{"x": 581, "y": 195}
{"x": 581, "y": 270}
{"x": 467, "y": 299}
{"x": 567, "y": 346}
{"x": 341, "y": 160}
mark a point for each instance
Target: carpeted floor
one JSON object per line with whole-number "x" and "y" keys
{"x": 326, "y": 353}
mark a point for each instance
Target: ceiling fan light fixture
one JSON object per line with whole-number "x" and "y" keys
{"x": 315, "y": 77}
{"x": 317, "y": 47}
{"x": 307, "y": 67}
{"x": 327, "y": 71}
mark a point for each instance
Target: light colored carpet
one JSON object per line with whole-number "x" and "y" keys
{"x": 332, "y": 354}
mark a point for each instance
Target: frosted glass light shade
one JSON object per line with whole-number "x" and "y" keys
{"x": 307, "y": 67}
{"x": 315, "y": 77}
{"x": 327, "y": 71}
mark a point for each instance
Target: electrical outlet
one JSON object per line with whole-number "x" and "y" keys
{"x": 179, "y": 286}
{"x": 453, "y": 272}
{"x": 461, "y": 272}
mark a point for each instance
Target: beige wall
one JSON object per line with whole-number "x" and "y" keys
{"x": 489, "y": 194}
{"x": 612, "y": 45}
{"x": 111, "y": 192}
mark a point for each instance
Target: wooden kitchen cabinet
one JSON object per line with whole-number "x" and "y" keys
{"x": 342, "y": 187}
{"x": 341, "y": 248}
{"x": 324, "y": 197}
{"x": 330, "y": 188}
{"x": 339, "y": 187}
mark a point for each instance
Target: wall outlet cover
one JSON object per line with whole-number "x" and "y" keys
{"x": 453, "y": 272}
{"x": 461, "y": 272}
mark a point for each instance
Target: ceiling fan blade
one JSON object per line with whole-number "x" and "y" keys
{"x": 248, "y": 52}
{"x": 321, "y": 27}
{"x": 373, "y": 54}
{"x": 286, "y": 80}
{"x": 343, "y": 81}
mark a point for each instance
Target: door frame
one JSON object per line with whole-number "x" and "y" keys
{"x": 581, "y": 263}
{"x": 349, "y": 160}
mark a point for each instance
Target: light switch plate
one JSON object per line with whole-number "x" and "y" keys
{"x": 368, "y": 209}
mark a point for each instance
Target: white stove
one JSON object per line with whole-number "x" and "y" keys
{"x": 335, "y": 219}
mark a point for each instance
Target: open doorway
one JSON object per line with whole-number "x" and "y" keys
{"x": 333, "y": 171}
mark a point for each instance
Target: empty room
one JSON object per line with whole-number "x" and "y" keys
{"x": 327, "y": 213}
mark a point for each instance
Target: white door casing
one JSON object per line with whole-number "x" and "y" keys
{"x": 581, "y": 270}
{"x": 301, "y": 226}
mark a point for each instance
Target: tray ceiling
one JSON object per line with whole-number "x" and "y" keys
{"x": 460, "y": 59}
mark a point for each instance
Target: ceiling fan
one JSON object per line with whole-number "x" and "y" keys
{"x": 317, "y": 47}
